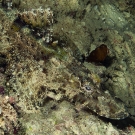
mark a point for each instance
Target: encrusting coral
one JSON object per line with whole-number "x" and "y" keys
{"x": 40, "y": 18}
{"x": 40, "y": 21}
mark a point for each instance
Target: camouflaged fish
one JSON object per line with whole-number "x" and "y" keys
{"x": 56, "y": 79}
{"x": 63, "y": 82}
{"x": 86, "y": 95}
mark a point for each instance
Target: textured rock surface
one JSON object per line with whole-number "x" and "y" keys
{"x": 60, "y": 119}
{"x": 51, "y": 80}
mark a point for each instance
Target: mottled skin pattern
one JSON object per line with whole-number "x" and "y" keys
{"x": 59, "y": 80}
{"x": 94, "y": 98}
{"x": 66, "y": 83}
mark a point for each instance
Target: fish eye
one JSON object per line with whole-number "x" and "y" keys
{"x": 87, "y": 87}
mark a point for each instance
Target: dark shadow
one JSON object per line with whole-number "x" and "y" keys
{"x": 108, "y": 61}
{"x": 120, "y": 124}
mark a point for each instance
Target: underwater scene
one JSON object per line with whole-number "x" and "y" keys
{"x": 67, "y": 67}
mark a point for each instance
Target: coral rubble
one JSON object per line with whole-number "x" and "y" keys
{"x": 40, "y": 20}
